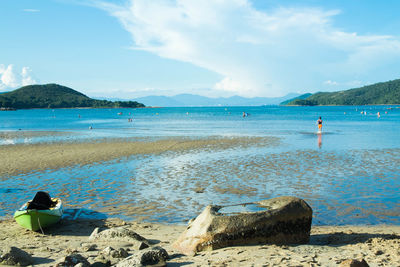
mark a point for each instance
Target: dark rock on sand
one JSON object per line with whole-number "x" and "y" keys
{"x": 74, "y": 259}
{"x": 89, "y": 247}
{"x": 155, "y": 256}
{"x": 15, "y": 256}
{"x": 285, "y": 220}
{"x": 114, "y": 253}
{"x": 354, "y": 263}
{"x": 111, "y": 255}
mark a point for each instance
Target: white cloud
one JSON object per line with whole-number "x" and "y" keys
{"x": 11, "y": 78}
{"x": 329, "y": 82}
{"x": 27, "y": 78}
{"x": 268, "y": 52}
{"x": 227, "y": 84}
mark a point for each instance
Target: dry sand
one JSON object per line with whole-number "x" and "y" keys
{"x": 23, "y": 158}
{"x": 329, "y": 245}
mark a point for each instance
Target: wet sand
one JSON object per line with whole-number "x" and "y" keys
{"x": 24, "y": 158}
{"x": 29, "y": 134}
{"x": 329, "y": 245}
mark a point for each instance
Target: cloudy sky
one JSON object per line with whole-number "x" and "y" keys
{"x": 133, "y": 48}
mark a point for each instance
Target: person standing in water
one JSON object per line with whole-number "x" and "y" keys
{"x": 319, "y": 122}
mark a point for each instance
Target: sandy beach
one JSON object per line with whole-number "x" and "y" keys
{"x": 329, "y": 245}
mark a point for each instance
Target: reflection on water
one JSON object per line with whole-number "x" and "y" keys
{"x": 245, "y": 207}
{"x": 342, "y": 187}
{"x": 319, "y": 140}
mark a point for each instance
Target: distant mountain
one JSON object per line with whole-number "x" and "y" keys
{"x": 375, "y": 94}
{"x": 190, "y": 100}
{"x": 55, "y": 96}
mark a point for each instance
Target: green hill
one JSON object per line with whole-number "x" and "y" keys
{"x": 303, "y": 96}
{"x": 55, "y": 96}
{"x": 376, "y": 94}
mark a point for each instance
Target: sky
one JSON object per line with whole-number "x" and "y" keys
{"x": 216, "y": 48}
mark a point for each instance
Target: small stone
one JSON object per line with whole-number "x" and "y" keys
{"x": 73, "y": 260}
{"x": 354, "y": 263}
{"x": 199, "y": 190}
{"x": 114, "y": 253}
{"x": 155, "y": 256}
{"x": 89, "y": 247}
{"x": 100, "y": 259}
{"x": 139, "y": 245}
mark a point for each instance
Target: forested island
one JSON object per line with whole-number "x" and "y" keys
{"x": 384, "y": 93}
{"x": 56, "y": 96}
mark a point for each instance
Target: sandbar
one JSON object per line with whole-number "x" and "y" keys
{"x": 24, "y": 158}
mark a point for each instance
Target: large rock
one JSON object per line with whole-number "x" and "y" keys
{"x": 15, "y": 256}
{"x": 155, "y": 256}
{"x": 285, "y": 220}
{"x": 120, "y": 234}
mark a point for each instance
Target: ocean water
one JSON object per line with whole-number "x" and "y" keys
{"x": 349, "y": 174}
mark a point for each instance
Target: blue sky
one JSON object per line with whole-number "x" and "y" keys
{"x": 134, "y": 48}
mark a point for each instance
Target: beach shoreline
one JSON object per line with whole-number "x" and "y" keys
{"x": 378, "y": 245}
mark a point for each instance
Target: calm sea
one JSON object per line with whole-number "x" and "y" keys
{"x": 349, "y": 174}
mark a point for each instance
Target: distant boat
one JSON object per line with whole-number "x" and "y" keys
{"x": 41, "y": 212}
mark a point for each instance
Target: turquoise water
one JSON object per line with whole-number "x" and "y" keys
{"x": 349, "y": 174}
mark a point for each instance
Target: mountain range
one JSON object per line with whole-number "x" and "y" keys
{"x": 191, "y": 100}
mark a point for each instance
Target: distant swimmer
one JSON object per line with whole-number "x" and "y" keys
{"x": 379, "y": 114}
{"x": 319, "y": 122}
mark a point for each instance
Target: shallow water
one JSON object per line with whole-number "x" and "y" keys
{"x": 349, "y": 174}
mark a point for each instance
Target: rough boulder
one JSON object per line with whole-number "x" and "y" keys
{"x": 282, "y": 220}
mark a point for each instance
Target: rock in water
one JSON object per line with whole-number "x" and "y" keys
{"x": 285, "y": 220}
